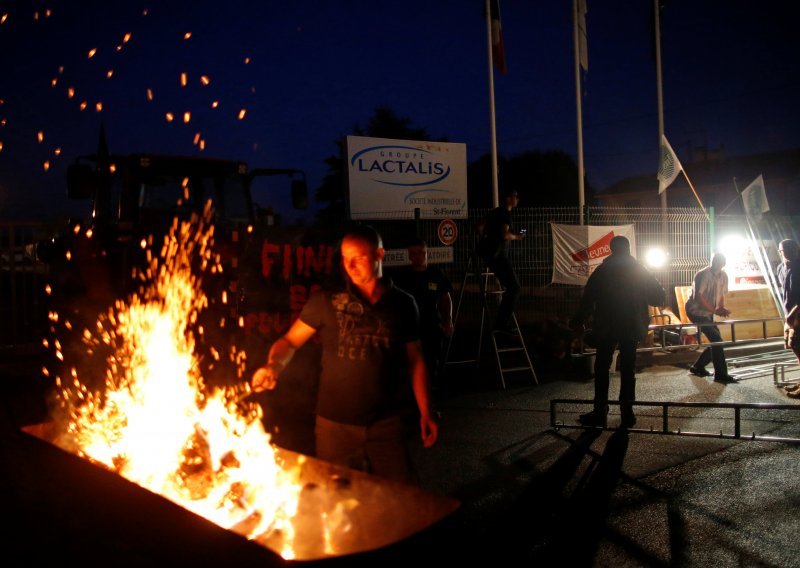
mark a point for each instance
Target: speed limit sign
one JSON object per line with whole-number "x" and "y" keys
{"x": 447, "y": 232}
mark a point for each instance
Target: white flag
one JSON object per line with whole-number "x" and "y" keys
{"x": 754, "y": 197}
{"x": 670, "y": 166}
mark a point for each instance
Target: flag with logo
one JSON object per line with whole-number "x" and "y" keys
{"x": 579, "y": 249}
{"x": 754, "y": 197}
{"x": 670, "y": 166}
{"x": 498, "y": 49}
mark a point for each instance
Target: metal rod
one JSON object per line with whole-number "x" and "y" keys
{"x": 665, "y": 405}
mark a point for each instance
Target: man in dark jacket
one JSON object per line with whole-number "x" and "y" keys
{"x": 789, "y": 282}
{"x": 617, "y": 295}
{"x": 496, "y": 232}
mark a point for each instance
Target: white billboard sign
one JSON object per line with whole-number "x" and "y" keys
{"x": 389, "y": 179}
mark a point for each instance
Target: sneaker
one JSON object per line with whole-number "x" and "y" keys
{"x": 726, "y": 379}
{"x": 593, "y": 418}
{"x": 699, "y": 372}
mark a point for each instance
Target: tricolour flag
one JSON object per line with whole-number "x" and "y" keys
{"x": 498, "y": 50}
{"x": 754, "y": 197}
{"x": 670, "y": 166}
{"x": 583, "y": 51}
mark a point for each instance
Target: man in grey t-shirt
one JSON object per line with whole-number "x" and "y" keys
{"x": 707, "y": 300}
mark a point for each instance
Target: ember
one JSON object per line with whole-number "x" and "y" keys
{"x": 154, "y": 421}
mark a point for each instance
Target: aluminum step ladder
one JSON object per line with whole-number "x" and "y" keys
{"x": 511, "y": 353}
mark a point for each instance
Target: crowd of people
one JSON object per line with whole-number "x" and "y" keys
{"x": 382, "y": 338}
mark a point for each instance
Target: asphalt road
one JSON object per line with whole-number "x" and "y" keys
{"x": 535, "y": 494}
{"x": 532, "y": 493}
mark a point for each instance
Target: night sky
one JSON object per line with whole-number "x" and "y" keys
{"x": 306, "y": 71}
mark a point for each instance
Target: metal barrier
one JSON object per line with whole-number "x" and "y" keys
{"x": 737, "y": 408}
{"x": 779, "y": 370}
{"x": 695, "y": 327}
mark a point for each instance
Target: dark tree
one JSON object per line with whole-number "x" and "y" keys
{"x": 543, "y": 179}
{"x": 384, "y": 123}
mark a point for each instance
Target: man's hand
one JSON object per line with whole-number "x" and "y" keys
{"x": 447, "y": 327}
{"x": 429, "y": 430}
{"x": 722, "y": 312}
{"x": 266, "y": 377}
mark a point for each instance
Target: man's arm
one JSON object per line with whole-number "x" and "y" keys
{"x": 429, "y": 429}
{"x": 700, "y": 295}
{"x": 510, "y": 235}
{"x": 721, "y": 310}
{"x": 587, "y": 302}
{"x": 656, "y": 295}
{"x": 280, "y": 354}
{"x": 445, "y": 305}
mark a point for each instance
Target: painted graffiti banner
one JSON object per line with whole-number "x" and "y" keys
{"x": 579, "y": 249}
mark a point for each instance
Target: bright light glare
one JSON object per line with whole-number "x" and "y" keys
{"x": 656, "y": 257}
{"x": 734, "y": 247}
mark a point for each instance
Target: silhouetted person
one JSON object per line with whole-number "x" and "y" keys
{"x": 432, "y": 291}
{"x": 617, "y": 296}
{"x": 789, "y": 281}
{"x": 495, "y": 234}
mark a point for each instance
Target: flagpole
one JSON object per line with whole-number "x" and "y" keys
{"x": 495, "y": 190}
{"x": 579, "y": 114}
{"x": 683, "y": 171}
{"x": 659, "y": 91}
{"x": 660, "y": 98}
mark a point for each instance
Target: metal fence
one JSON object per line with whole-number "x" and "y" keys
{"x": 684, "y": 232}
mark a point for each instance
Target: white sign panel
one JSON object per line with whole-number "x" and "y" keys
{"x": 388, "y": 179}
{"x": 579, "y": 249}
{"x": 436, "y": 255}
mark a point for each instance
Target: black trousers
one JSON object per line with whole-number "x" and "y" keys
{"x": 627, "y": 368}
{"x": 432, "y": 341}
{"x": 711, "y": 353}
{"x": 505, "y": 274}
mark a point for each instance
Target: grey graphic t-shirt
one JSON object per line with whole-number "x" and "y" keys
{"x": 364, "y": 365}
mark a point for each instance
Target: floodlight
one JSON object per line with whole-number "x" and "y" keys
{"x": 656, "y": 257}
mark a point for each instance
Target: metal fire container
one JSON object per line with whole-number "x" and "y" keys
{"x": 65, "y": 508}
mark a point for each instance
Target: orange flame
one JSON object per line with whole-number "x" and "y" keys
{"x": 158, "y": 425}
